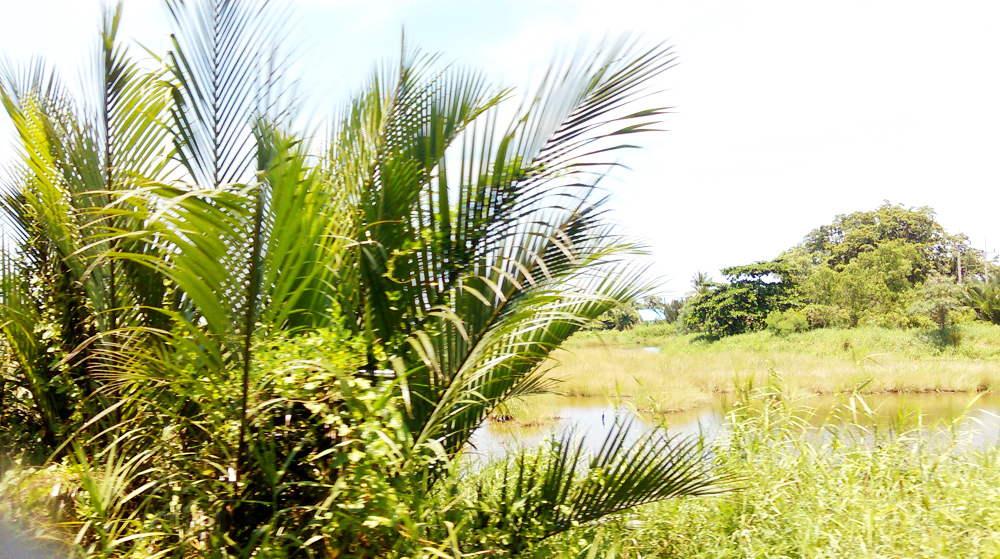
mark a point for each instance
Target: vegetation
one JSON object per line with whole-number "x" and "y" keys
{"x": 224, "y": 340}
{"x": 689, "y": 372}
{"x": 621, "y": 317}
{"x": 626, "y": 315}
{"x": 885, "y": 267}
{"x": 846, "y": 489}
{"x": 984, "y": 298}
{"x": 744, "y": 303}
{"x": 835, "y": 476}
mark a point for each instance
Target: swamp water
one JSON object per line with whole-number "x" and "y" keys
{"x": 976, "y": 419}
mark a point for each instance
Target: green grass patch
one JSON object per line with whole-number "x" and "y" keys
{"x": 841, "y": 492}
{"x": 973, "y": 340}
{"x": 689, "y": 372}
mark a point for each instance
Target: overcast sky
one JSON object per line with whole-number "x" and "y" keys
{"x": 786, "y": 113}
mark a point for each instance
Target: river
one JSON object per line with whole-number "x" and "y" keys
{"x": 976, "y": 417}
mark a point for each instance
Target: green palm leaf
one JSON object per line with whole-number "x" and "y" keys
{"x": 188, "y": 227}
{"x": 562, "y": 487}
{"x": 526, "y": 259}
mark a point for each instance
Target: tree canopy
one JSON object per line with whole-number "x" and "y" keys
{"x": 851, "y": 235}
{"x": 742, "y": 304}
{"x": 867, "y": 267}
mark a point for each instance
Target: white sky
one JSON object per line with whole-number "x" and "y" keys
{"x": 786, "y": 113}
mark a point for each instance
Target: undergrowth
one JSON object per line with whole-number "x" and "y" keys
{"x": 973, "y": 340}
{"x": 842, "y": 490}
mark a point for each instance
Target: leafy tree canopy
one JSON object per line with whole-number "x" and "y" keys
{"x": 742, "y": 305}
{"x": 866, "y": 267}
{"x": 851, "y": 235}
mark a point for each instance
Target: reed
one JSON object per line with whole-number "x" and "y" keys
{"x": 688, "y": 373}
{"x": 844, "y": 490}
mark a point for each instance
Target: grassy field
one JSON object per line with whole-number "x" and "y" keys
{"x": 688, "y": 372}
{"x": 830, "y": 482}
{"x": 849, "y": 494}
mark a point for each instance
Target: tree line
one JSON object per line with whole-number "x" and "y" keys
{"x": 893, "y": 266}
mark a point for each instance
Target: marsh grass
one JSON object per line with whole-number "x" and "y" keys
{"x": 975, "y": 340}
{"x": 688, "y": 373}
{"x": 845, "y": 489}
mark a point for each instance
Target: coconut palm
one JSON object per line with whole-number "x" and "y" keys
{"x": 252, "y": 305}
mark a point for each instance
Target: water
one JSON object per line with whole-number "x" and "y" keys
{"x": 592, "y": 418}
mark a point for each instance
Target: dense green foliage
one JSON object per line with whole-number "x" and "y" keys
{"x": 744, "y": 303}
{"x": 857, "y": 487}
{"x": 221, "y": 340}
{"x": 874, "y": 267}
{"x": 622, "y": 317}
{"x": 984, "y": 298}
{"x": 849, "y": 236}
{"x": 626, "y": 316}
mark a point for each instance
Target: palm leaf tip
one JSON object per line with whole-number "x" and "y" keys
{"x": 565, "y": 486}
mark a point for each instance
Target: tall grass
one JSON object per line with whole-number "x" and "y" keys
{"x": 688, "y": 373}
{"x": 842, "y": 491}
{"x": 975, "y": 340}
{"x": 641, "y": 335}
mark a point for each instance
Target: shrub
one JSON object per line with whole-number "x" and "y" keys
{"x": 826, "y": 316}
{"x": 787, "y": 322}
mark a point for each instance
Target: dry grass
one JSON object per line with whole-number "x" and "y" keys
{"x": 680, "y": 380}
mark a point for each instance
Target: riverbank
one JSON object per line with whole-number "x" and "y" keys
{"x": 897, "y": 494}
{"x": 907, "y": 470}
{"x": 686, "y": 373}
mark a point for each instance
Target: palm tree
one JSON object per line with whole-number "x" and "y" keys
{"x": 984, "y": 297}
{"x": 62, "y": 299}
{"x": 702, "y": 283}
{"x": 434, "y": 253}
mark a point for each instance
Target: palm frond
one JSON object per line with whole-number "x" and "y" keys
{"x": 512, "y": 226}
{"x": 225, "y": 74}
{"x": 543, "y": 494}
{"x": 383, "y": 152}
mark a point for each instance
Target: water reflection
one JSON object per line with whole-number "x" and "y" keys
{"x": 977, "y": 419}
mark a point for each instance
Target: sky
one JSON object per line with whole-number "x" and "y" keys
{"x": 784, "y": 113}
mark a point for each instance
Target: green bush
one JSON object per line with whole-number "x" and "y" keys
{"x": 787, "y": 322}
{"x": 825, "y": 316}
{"x": 984, "y": 297}
{"x": 939, "y": 298}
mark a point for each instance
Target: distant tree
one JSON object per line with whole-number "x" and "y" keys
{"x": 938, "y": 298}
{"x": 851, "y": 235}
{"x": 670, "y": 310}
{"x": 702, "y": 283}
{"x": 863, "y": 268}
{"x": 743, "y": 304}
{"x": 654, "y": 302}
{"x": 873, "y": 288}
{"x": 621, "y": 317}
